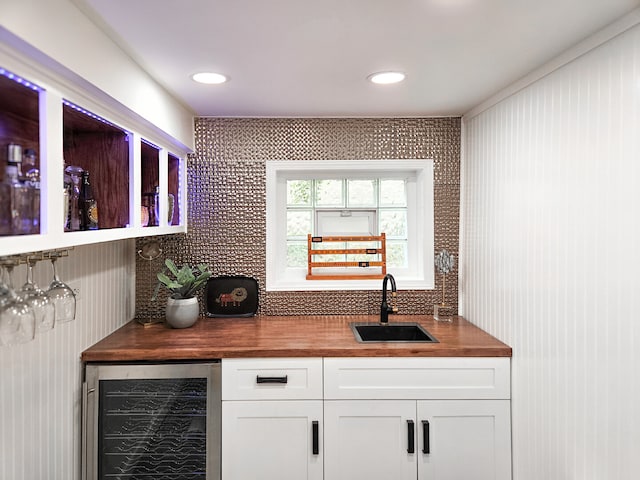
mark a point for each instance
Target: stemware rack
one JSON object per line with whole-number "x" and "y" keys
{"x": 24, "y": 258}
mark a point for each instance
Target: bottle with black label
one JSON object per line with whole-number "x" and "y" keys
{"x": 88, "y": 205}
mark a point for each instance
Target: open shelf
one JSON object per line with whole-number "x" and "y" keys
{"x": 102, "y": 149}
{"x": 19, "y": 125}
{"x": 150, "y": 180}
{"x": 66, "y": 124}
{"x": 174, "y": 188}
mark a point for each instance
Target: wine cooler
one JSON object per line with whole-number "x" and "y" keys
{"x": 151, "y": 421}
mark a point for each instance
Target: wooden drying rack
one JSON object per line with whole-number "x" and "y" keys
{"x": 382, "y": 250}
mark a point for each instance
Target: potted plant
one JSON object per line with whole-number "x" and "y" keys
{"x": 183, "y": 284}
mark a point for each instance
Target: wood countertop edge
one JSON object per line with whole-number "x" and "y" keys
{"x": 146, "y": 356}
{"x": 280, "y": 337}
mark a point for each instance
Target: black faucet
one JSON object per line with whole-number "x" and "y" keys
{"x": 385, "y": 308}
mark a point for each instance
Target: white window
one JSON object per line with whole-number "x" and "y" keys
{"x": 328, "y": 198}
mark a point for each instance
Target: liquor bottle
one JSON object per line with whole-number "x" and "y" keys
{"x": 21, "y": 194}
{"x": 32, "y": 176}
{"x": 87, "y": 205}
{"x": 73, "y": 178}
{"x": 6, "y": 222}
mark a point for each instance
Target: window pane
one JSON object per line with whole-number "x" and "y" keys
{"x": 296, "y": 254}
{"x": 298, "y": 223}
{"x": 299, "y": 192}
{"x": 397, "y": 255}
{"x": 346, "y": 222}
{"x": 329, "y": 193}
{"x": 362, "y": 193}
{"x": 393, "y": 193}
{"x": 393, "y": 223}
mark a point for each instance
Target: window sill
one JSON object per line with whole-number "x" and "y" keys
{"x": 340, "y": 285}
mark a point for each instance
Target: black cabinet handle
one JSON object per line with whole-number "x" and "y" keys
{"x": 426, "y": 448}
{"x": 411, "y": 448}
{"x": 315, "y": 438}
{"x": 282, "y": 379}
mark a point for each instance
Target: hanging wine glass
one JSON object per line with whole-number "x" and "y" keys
{"x": 38, "y": 300}
{"x": 5, "y": 291}
{"x": 17, "y": 319}
{"x": 61, "y": 295}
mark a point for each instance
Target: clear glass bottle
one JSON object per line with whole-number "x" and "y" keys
{"x": 21, "y": 194}
{"x": 75, "y": 173}
{"x": 32, "y": 176}
{"x": 6, "y": 222}
{"x": 66, "y": 191}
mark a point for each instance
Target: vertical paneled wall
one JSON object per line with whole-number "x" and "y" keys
{"x": 227, "y": 200}
{"x": 40, "y": 381}
{"x": 551, "y": 233}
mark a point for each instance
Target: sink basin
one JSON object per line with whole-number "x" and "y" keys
{"x": 391, "y": 332}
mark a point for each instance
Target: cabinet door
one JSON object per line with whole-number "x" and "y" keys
{"x": 369, "y": 440}
{"x": 272, "y": 440}
{"x": 464, "y": 439}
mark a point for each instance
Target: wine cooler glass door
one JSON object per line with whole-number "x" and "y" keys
{"x": 153, "y": 421}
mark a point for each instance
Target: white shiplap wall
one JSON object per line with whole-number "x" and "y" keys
{"x": 550, "y": 260}
{"x": 40, "y": 381}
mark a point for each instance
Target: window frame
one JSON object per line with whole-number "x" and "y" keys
{"x": 420, "y": 212}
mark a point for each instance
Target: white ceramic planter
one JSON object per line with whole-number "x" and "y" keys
{"x": 183, "y": 312}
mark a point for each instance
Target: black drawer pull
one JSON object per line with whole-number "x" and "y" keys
{"x": 426, "y": 448}
{"x": 315, "y": 440}
{"x": 410, "y": 437}
{"x": 282, "y": 379}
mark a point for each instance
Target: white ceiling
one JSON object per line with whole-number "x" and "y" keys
{"x": 311, "y": 57}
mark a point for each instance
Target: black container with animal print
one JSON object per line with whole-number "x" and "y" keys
{"x": 231, "y": 296}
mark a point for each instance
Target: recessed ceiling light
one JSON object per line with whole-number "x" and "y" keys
{"x": 209, "y": 78}
{"x": 385, "y": 78}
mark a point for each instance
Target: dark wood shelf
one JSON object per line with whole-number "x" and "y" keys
{"x": 102, "y": 149}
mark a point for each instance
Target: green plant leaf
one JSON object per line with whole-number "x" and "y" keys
{"x": 188, "y": 280}
{"x": 171, "y": 266}
{"x": 168, "y": 282}
{"x": 185, "y": 275}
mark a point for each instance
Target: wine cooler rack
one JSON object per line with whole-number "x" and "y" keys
{"x": 153, "y": 429}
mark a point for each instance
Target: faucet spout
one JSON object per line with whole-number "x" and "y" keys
{"x": 387, "y": 308}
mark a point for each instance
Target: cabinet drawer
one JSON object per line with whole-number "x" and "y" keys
{"x": 271, "y": 378}
{"x": 417, "y": 378}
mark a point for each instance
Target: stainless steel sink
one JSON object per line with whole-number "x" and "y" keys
{"x": 391, "y": 332}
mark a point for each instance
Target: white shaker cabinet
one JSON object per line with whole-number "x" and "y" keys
{"x": 369, "y": 439}
{"x": 272, "y": 419}
{"x": 405, "y": 439}
{"x": 417, "y": 418}
{"x": 366, "y": 418}
{"x": 463, "y": 439}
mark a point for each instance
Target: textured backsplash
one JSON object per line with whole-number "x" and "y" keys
{"x": 227, "y": 201}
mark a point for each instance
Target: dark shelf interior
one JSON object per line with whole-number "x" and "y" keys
{"x": 102, "y": 149}
{"x": 174, "y": 187}
{"x": 19, "y": 118}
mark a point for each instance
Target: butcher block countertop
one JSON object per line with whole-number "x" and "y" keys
{"x": 303, "y": 336}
